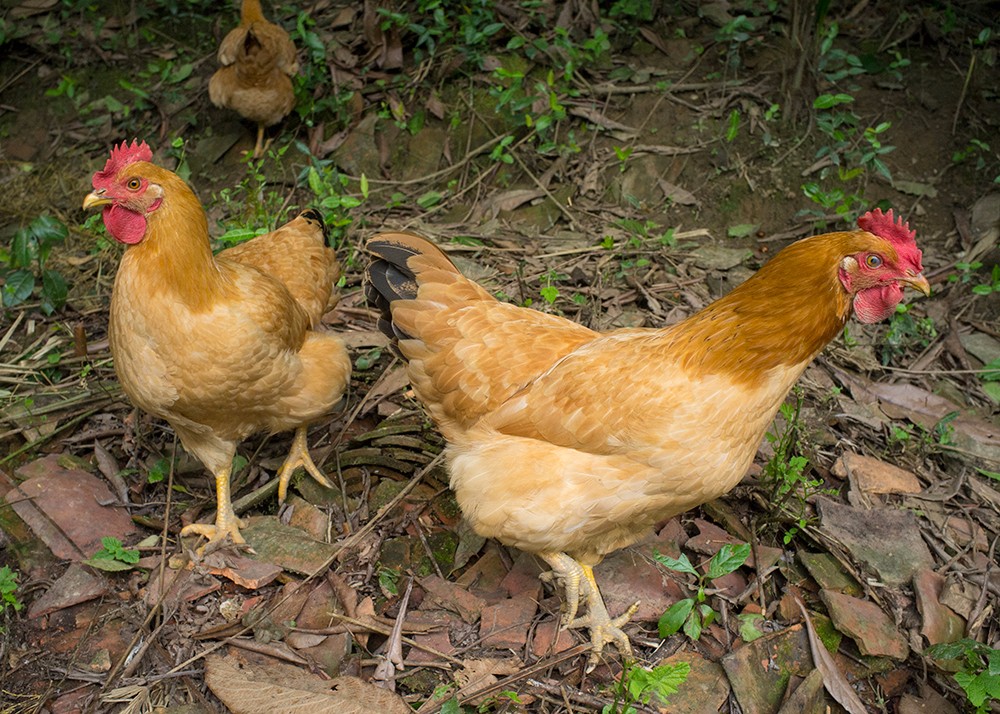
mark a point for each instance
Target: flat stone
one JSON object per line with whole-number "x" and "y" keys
{"x": 928, "y": 702}
{"x": 306, "y": 517}
{"x": 438, "y": 638}
{"x": 549, "y": 639}
{"x": 523, "y": 577}
{"x": 885, "y": 539}
{"x": 808, "y": 697}
{"x": 828, "y": 573}
{"x": 711, "y": 538}
{"x": 76, "y": 585}
{"x": 180, "y": 585}
{"x": 274, "y": 542}
{"x": 484, "y": 577}
{"x": 874, "y": 476}
{"x": 940, "y": 623}
{"x": 505, "y": 625}
{"x": 759, "y": 671}
{"x": 865, "y": 623}
{"x": 626, "y": 576}
{"x": 704, "y": 690}
{"x": 245, "y": 572}
{"x": 61, "y": 503}
{"x": 453, "y": 597}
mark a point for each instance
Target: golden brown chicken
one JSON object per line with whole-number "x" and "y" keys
{"x": 258, "y": 62}
{"x": 570, "y": 443}
{"x": 220, "y": 346}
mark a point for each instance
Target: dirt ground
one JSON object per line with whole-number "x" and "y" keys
{"x": 655, "y": 173}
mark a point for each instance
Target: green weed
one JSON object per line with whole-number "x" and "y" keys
{"x": 979, "y": 673}
{"x": 31, "y": 247}
{"x": 637, "y": 685}
{"x": 8, "y": 591}
{"x": 694, "y": 614}
{"x": 113, "y": 556}
{"x": 785, "y": 476}
{"x": 906, "y": 332}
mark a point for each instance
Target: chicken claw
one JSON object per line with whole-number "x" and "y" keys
{"x": 603, "y": 628}
{"x": 298, "y": 455}
{"x": 569, "y": 574}
{"x": 227, "y": 524}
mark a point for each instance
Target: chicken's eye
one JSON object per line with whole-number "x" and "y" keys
{"x": 873, "y": 261}
{"x": 133, "y": 184}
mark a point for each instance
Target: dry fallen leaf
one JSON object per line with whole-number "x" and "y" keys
{"x": 835, "y": 683}
{"x": 259, "y": 686}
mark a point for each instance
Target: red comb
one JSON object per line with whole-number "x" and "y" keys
{"x": 884, "y": 225}
{"x": 123, "y": 155}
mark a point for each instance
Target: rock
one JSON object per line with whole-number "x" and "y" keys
{"x": 61, "y": 503}
{"x": 886, "y": 540}
{"x": 703, "y": 692}
{"x": 759, "y": 672}
{"x": 505, "y": 625}
{"x": 829, "y": 573}
{"x": 865, "y": 623}
{"x": 941, "y": 624}
{"x": 874, "y": 476}
{"x": 808, "y": 697}
{"x": 76, "y": 585}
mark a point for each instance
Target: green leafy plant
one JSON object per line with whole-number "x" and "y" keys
{"x": 785, "y": 475}
{"x": 990, "y": 380}
{"x": 905, "y": 332}
{"x": 33, "y": 245}
{"x": 637, "y": 685}
{"x": 8, "y": 590}
{"x": 979, "y": 670}
{"x": 694, "y": 614}
{"x": 113, "y": 556}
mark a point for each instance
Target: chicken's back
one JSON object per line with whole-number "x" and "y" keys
{"x": 258, "y": 61}
{"x": 297, "y": 255}
{"x": 467, "y": 352}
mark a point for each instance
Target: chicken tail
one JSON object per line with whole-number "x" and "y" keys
{"x": 392, "y": 276}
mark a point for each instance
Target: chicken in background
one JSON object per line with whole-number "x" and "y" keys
{"x": 571, "y": 444}
{"x": 221, "y": 346}
{"x": 258, "y": 62}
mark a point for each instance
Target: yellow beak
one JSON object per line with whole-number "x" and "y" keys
{"x": 918, "y": 282}
{"x": 95, "y": 199}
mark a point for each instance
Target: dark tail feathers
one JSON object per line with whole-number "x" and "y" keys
{"x": 389, "y": 277}
{"x": 314, "y": 216}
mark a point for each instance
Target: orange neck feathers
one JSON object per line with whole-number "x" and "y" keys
{"x": 176, "y": 248}
{"x": 784, "y": 315}
{"x": 250, "y": 11}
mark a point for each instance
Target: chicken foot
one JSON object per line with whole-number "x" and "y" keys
{"x": 298, "y": 455}
{"x": 227, "y": 524}
{"x": 578, "y": 583}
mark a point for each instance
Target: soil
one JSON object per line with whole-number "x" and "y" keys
{"x": 674, "y": 167}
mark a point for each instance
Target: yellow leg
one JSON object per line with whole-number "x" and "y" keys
{"x": 603, "y": 628}
{"x": 569, "y": 574}
{"x": 258, "y": 149}
{"x": 227, "y": 525}
{"x": 298, "y": 455}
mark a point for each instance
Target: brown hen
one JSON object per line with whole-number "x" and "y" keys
{"x": 258, "y": 62}
{"x": 221, "y": 346}
{"x": 570, "y": 443}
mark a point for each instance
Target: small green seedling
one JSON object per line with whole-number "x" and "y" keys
{"x": 113, "y": 556}
{"x": 29, "y": 246}
{"x": 694, "y": 614}
{"x": 8, "y": 590}
{"x": 638, "y": 685}
{"x": 979, "y": 676}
